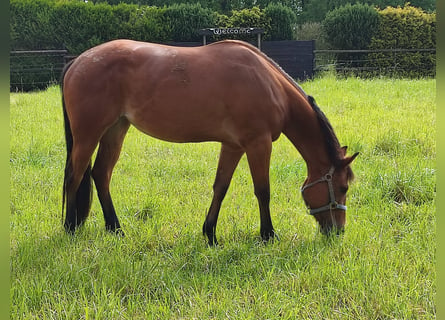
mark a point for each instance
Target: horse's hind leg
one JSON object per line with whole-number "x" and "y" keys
{"x": 228, "y": 160}
{"x": 107, "y": 156}
{"x": 77, "y": 185}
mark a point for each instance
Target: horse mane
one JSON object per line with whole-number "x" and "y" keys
{"x": 332, "y": 144}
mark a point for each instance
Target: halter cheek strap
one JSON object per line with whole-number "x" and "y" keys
{"x": 333, "y": 204}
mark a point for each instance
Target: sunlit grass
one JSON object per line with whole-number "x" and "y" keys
{"x": 382, "y": 267}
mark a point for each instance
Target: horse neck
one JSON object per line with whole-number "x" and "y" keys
{"x": 304, "y": 131}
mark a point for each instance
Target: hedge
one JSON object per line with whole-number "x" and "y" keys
{"x": 282, "y": 22}
{"x": 30, "y": 26}
{"x": 351, "y": 26}
{"x": 405, "y": 28}
{"x": 363, "y": 27}
{"x": 77, "y": 26}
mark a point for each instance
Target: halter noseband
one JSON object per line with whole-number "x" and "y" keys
{"x": 333, "y": 204}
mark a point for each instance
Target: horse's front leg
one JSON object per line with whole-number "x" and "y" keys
{"x": 258, "y": 156}
{"x": 228, "y": 160}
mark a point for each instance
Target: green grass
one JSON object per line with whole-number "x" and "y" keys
{"x": 382, "y": 268}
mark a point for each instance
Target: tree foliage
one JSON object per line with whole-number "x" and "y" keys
{"x": 316, "y": 10}
{"x": 77, "y": 26}
{"x": 182, "y": 21}
{"x": 282, "y": 21}
{"x": 351, "y": 26}
{"x": 405, "y": 28}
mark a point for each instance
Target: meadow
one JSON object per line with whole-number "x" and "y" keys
{"x": 383, "y": 267}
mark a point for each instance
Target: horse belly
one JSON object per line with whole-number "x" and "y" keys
{"x": 184, "y": 121}
{"x": 180, "y": 121}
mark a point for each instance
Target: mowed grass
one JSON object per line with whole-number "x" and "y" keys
{"x": 383, "y": 267}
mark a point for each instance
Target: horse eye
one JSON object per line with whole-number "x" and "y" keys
{"x": 344, "y": 189}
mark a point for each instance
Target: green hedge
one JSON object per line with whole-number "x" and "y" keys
{"x": 181, "y": 21}
{"x": 282, "y": 22}
{"x": 30, "y": 26}
{"x": 351, "y": 26}
{"x": 405, "y": 28}
{"x": 363, "y": 27}
{"x": 77, "y": 26}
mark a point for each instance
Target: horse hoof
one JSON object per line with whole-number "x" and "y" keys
{"x": 270, "y": 237}
{"x": 69, "y": 228}
{"x": 118, "y": 232}
{"x": 212, "y": 242}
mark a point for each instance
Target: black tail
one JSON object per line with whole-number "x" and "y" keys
{"x": 84, "y": 192}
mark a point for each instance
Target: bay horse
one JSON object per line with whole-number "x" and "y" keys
{"x": 228, "y": 91}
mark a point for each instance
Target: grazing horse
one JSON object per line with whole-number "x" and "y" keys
{"x": 227, "y": 91}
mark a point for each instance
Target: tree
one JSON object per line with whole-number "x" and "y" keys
{"x": 351, "y": 26}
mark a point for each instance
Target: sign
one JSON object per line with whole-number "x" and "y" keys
{"x": 230, "y": 31}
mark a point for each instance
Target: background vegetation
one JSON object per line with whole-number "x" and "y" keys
{"x": 307, "y": 10}
{"x": 383, "y": 267}
{"x": 419, "y": 32}
{"x": 76, "y": 26}
{"x": 351, "y": 27}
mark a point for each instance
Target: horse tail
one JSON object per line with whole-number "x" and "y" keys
{"x": 84, "y": 192}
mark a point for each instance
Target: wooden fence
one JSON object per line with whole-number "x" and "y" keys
{"x": 295, "y": 57}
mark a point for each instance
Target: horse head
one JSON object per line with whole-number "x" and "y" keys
{"x": 325, "y": 197}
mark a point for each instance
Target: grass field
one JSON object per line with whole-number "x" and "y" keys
{"x": 383, "y": 267}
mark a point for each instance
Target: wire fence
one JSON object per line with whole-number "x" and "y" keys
{"x": 32, "y": 70}
{"x": 388, "y": 62}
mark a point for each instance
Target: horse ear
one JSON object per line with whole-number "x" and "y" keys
{"x": 347, "y": 161}
{"x": 344, "y": 149}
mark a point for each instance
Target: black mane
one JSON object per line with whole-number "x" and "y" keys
{"x": 331, "y": 140}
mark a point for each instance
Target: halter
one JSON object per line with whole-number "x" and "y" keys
{"x": 333, "y": 204}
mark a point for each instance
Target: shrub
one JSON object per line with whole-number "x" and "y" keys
{"x": 254, "y": 17}
{"x": 405, "y": 28}
{"x": 79, "y": 26}
{"x": 30, "y": 25}
{"x": 145, "y": 24}
{"x": 312, "y": 31}
{"x": 282, "y": 22}
{"x": 183, "y": 20}
{"x": 351, "y": 26}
